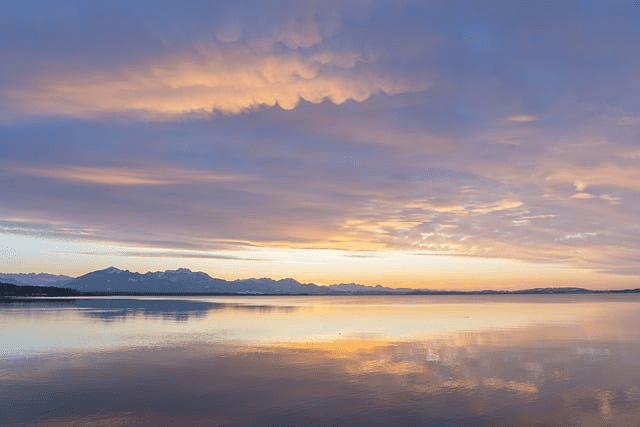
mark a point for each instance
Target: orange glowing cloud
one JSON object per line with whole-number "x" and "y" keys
{"x": 212, "y": 79}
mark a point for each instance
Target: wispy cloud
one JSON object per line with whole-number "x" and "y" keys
{"x": 123, "y": 176}
{"x": 522, "y": 118}
{"x": 498, "y": 206}
{"x": 175, "y": 254}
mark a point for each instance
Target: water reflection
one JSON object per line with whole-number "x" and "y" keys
{"x": 384, "y": 384}
{"x": 109, "y": 309}
{"x": 583, "y": 372}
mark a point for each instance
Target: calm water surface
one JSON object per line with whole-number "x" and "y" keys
{"x": 322, "y": 361}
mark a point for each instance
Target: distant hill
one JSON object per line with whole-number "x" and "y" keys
{"x": 11, "y": 290}
{"x": 532, "y": 291}
{"x": 33, "y": 279}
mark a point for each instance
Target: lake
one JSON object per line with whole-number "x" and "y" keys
{"x": 505, "y": 360}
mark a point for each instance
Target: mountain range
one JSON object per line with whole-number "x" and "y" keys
{"x": 184, "y": 281}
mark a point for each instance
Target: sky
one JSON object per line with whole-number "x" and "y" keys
{"x": 442, "y": 144}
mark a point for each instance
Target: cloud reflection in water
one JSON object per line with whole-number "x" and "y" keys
{"x": 538, "y": 373}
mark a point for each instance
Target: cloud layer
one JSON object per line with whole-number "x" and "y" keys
{"x": 498, "y": 130}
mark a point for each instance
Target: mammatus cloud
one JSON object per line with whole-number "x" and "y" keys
{"x": 211, "y": 79}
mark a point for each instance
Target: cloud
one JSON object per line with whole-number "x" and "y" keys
{"x": 476, "y": 207}
{"x": 300, "y": 34}
{"x": 175, "y": 254}
{"x": 439, "y": 208}
{"x": 631, "y": 271}
{"x": 631, "y": 154}
{"x": 582, "y": 196}
{"x": 119, "y": 176}
{"x": 360, "y": 255}
{"x": 522, "y": 118}
{"x": 498, "y": 206}
{"x": 579, "y": 235}
{"x": 256, "y": 180}
{"x": 613, "y": 200}
{"x": 606, "y": 174}
{"x": 211, "y": 79}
